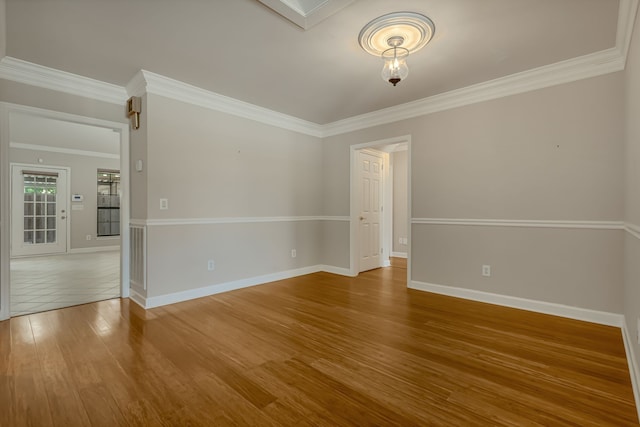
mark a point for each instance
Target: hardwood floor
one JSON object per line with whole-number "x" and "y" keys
{"x": 319, "y": 350}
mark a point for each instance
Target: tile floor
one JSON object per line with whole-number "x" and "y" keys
{"x": 51, "y": 282}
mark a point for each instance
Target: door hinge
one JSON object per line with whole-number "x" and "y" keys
{"x": 381, "y": 208}
{"x": 380, "y": 250}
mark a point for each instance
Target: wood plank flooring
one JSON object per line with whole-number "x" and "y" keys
{"x": 319, "y": 350}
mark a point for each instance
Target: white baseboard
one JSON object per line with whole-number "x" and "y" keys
{"x": 337, "y": 270}
{"x": 399, "y": 254}
{"x": 577, "y": 313}
{"x": 94, "y": 249}
{"x": 633, "y": 366}
{"x": 190, "y": 294}
{"x": 160, "y": 300}
{"x": 137, "y": 298}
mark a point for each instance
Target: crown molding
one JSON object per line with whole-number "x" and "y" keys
{"x": 591, "y": 65}
{"x": 32, "y": 74}
{"x": 164, "y": 86}
{"x": 308, "y": 14}
{"x": 582, "y": 67}
{"x": 62, "y": 150}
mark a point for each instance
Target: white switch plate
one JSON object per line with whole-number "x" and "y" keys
{"x": 211, "y": 265}
{"x": 486, "y": 270}
{"x": 88, "y": 237}
{"x": 294, "y": 253}
{"x": 164, "y": 204}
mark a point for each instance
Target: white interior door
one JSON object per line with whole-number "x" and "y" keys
{"x": 370, "y": 180}
{"x": 39, "y": 210}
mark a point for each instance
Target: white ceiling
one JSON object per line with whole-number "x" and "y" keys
{"x": 245, "y": 50}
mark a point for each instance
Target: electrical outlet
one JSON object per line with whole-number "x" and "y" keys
{"x": 486, "y": 270}
{"x": 164, "y": 204}
{"x": 293, "y": 253}
{"x": 211, "y": 265}
{"x": 88, "y": 237}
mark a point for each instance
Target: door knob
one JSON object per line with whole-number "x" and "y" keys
{"x": 63, "y": 217}
{"x": 361, "y": 218}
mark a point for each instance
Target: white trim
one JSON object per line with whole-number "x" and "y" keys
{"x": 50, "y": 149}
{"x": 574, "y": 69}
{"x": 583, "y": 67}
{"x": 138, "y": 298}
{"x": 577, "y": 313}
{"x": 190, "y": 294}
{"x": 174, "y": 89}
{"x": 604, "y": 225}
{"x": 32, "y": 74}
{"x": 341, "y": 271}
{"x": 176, "y": 297}
{"x": 303, "y": 16}
{"x": 632, "y": 229}
{"x": 399, "y": 254}
{"x": 233, "y": 220}
{"x": 633, "y": 366}
{"x": 94, "y": 249}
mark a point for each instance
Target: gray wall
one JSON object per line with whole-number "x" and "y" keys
{"x": 212, "y": 165}
{"x": 399, "y": 162}
{"x": 3, "y": 28}
{"x": 83, "y": 181}
{"x": 138, "y": 151}
{"x": 632, "y": 189}
{"x": 551, "y": 154}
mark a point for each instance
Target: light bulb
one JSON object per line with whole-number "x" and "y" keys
{"x": 395, "y": 65}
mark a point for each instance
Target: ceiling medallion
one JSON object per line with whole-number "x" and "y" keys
{"x": 393, "y": 37}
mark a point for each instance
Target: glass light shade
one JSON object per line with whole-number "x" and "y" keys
{"x": 395, "y": 65}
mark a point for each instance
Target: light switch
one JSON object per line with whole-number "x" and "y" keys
{"x": 164, "y": 204}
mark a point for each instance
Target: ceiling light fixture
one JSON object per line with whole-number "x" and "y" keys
{"x": 393, "y": 37}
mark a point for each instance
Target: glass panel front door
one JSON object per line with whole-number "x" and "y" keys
{"x": 39, "y": 211}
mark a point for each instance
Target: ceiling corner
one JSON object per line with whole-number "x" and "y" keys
{"x": 306, "y": 13}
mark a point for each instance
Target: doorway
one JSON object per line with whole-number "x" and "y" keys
{"x": 38, "y": 210}
{"x": 372, "y": 204}
{"x": 49, "y": 242}
{"x": 370, "y": 198}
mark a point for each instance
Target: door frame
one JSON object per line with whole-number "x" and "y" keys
{"x": 385, "y": 198}
{"x": 68, "y": 191}
{"x": 387, "y": 232}
{"x": 6, "y": 109}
